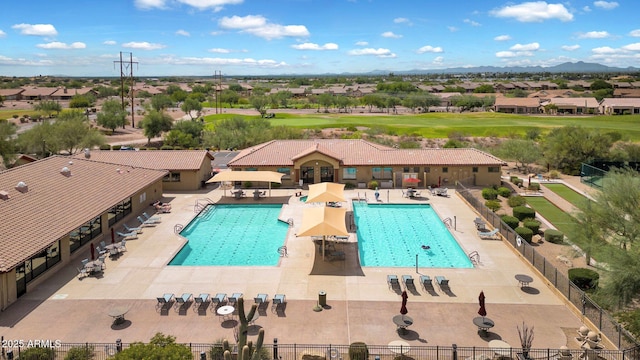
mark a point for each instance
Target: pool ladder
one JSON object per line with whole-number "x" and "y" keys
{"x": 474, "y": 256}
{"x": 282, "y": 250}
{"x": 448, "y": 222}
{"x": 177, "y": 228}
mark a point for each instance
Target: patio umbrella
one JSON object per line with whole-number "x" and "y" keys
{"x": 93, "y": 252}
{"x": 113, "y": 237}
{"x": 326, "y": 192}
{"x": 403, "y": 308}
{"x": 482, "y": 311}
{"x": 412, "y": 180}
{"x": 323, "y": 221}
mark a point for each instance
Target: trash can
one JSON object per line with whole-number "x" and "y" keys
{"x": 322, "y": 298}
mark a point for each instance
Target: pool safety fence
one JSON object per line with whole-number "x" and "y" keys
{"x": 599, "y": 317}
{"x": 104, "y": 351}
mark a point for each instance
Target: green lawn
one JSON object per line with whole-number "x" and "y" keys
{"x": 576, "y": 199}
{"x": 561, "y": 220}
{"x": 440, "y": 125}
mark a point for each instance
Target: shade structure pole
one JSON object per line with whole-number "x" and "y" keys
{"x": 269, "y": 188}
{"x": 323, "y": 247}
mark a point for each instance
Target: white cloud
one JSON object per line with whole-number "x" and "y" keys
{"x": 380, "y": 52}
{"x": 438, "y": 60}
{"x": 586, "y": 9}
{"x": 505, "y": 54}
{"x": 502, "y": 38}
{"x": 607, "y": 5}
{"x": 216, "y": 5}
{"x": 519, "y": 50}
{"x": 632, "y": 47}
{"x": 2, "y": 34}
{"x": 312, "y": 46}
{"x": 604, "y": 50}
{"x": 594, "y": 35}
{"x": 362, "y": 43}
{"x": 259, "y": 26}
{"x": 63, "y": 46}
{"x": 570, "y": 47}
{"x": 183, "y": 33}
{"x": 247, "y": 62}
{"x": 219, "y": 51}
{"x": 525, "y": 47}
{"x": 36, "y": 29}
{"x": 536, "y": 11}
{"x": 390, "y": 34}
{"x": 109, "y": 42}
{"x": 149, "y": 4}
{"x": 143, "y": 45}
{"x": 471, "y": 22}
{"x": 4, "y": 60}
{"x": 452, "y": 28}
{"x": 634, "y": 33}
{"x": 401, "y": 20}
{"x": 429, "y": 49}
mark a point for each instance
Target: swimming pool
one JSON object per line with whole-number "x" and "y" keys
{"x": 390, "y": 235}
{"x": 233, "y": 235}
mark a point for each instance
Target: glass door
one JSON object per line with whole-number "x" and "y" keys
{"x": 307, "y": 173}
{"x": 326, "y": 174}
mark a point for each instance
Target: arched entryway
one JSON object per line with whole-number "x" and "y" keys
{"x": 316, "y": 172}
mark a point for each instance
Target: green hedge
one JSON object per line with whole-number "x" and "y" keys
{"x": 517, "y": 200}
{"x": 494, "y": 205}
{"x": 532, "y": 224}
{"x": 38, "y": 353}
{"x": 489, "y": 193}
{"x": 504, "y": 192}
{"x": 358, "y": 351}
{"x": 523, "y": 212}
{"x": 372, "y": 185}
{"x": 534, "y": 186}
{"x": 585, "y": 279}
{"x": 525, "y": 233}
{"x": 554, "y": 236}
{"x": 105, "y": 147}
{"x": 511, "y": 221}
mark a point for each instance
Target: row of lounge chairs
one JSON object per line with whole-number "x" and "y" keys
{"x": 204, "y": 300}
{"x": 425, "y": 280}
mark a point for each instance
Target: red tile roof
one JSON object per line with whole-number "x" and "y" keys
{"x": 55, "y": 203}
{"x": 152, "y": 159}
{"x": 358, "y": 153}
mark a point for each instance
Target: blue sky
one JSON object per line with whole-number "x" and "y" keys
{"x": 275, "y": 37}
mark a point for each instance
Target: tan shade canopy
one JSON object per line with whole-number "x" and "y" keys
{"x": 326, "y": 192}
{"x": 323, "y": 221}
{"x": 270, "y": 176}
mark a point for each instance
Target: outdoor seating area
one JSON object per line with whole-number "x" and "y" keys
{"x": 161, "y": 207}
{"x": 440, "y": 192}
{"x": 238, "y": 194}
{"x": 425, "y": 280}
{"x": 488, "y": 235}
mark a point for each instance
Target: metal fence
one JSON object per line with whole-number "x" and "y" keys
{"x": 341, "y": 352}
{"x": 598, "y": 316}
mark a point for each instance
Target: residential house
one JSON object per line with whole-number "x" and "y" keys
{"x": 619, "y": 106}
{"x": 517, "y": 105}
{"x": 11, "y": 94}
{"x": 575, "y": 106}
{"x": 38, "y": 93}
{"x": 63, "y": 94}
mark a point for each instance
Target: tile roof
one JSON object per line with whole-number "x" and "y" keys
{"x": 579, "y": 102}
{"x": 55, "y": 203}
{"x": 506, "y": 101}
{"x": 38, "y": 91}
{"x": 10, "y": 92}
{"x": 623, "y": 102}
{"x": 152, "y": 159}
{"x": 358, "y": 153}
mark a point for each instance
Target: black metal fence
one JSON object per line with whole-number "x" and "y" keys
{"x": 341, "y": 352}
{"x": 598, "y": 316}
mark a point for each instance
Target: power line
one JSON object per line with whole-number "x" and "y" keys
{"x": 126, "y": 71}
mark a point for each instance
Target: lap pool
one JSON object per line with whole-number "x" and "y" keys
{"x": 390, "y": 235}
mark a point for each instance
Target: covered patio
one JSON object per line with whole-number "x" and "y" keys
{"x": 247, "y": 176}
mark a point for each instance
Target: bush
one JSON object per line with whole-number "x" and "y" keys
{"x": 247, "y": 184}
{"x": 554, "y": 236}
{"x": 166, "y": 147}
{"x": 116, "y": 147}
{"x": 504, "y": 192}
{"x": 358, "y": 351}
{"x": 585, "y": 279}
{"x": 532, "y": 224}
{"x": 524, "y": 233}
{"x": 349, "y": 186}
{"x": 38, "y": 353}
{"x": 372, "y": 184}
{"x": 534, "y": 186}
{"x": 217, "y": 350}
{"x": 554, "y": 174}
{"x": 105, "y": 147}
{"x": 80, "y": 353}
{"x": 511, "y": 221}
{"x": 523, "y": 212}
{"x": 494, "y": 205}
{"x": 513, "y": 179}
{"x": 518, "y": 182}
{"x": 489, "y": 194}
{"x": 517, "y": 200}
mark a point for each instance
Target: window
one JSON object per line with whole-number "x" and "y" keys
{"x": 143, "y": 197}
{"x": 382, "y": 173}
{"x": 39, "y": 263}
{"x": 286, "y": 172}
{"x": 406, "y": 169}
{"x": 251, "y": 169}
{"x": 349, "y": 173}
{"x": 445, "y": 169}
{"x": 416, "y": 169}
{"x": 119, "y": 211}
{"x": 172, "y": 177}
{"x": 85, "y": 233}
{"x": 474, "y": 169}
{"x": 427, "y": 169}
{"x": 494, "y": 169}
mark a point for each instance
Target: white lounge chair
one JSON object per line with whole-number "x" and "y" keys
{"x": 407, "y": 280}
{"x": 392, "y": 281}
{"x": 128, "y": 236}
{"x": 164, "y": 300}
{"x": 260, "y": 299}
{"x": 183, "y": 300}
{"x": 137, "y": 229}
{"x": 233, "y": 299}
{"x": 200, "y": 300}
{"x": 278, "y": 299}
{"x": 122, "y": 245}
{"x": 146, "y": 223}
{"x": 488, "y": 234}
{"x": 219, "y": 298}
{"x": 156, "y": 219}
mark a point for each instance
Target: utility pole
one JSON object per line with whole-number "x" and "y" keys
{"x": 126, "y": 71}
{"x": 217, "y": 81}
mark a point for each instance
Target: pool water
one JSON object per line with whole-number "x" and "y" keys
{"x": 390, "y": 235}
{"x": 233, "y": 235}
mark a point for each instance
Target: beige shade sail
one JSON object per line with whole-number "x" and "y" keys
{"x": 267, "y": 176}
{"x": 326, "y": 192}
{"x": 323, "y": 221}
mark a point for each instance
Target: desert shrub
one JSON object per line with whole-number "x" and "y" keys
{"x": 554, "y": 174}
{"x": 351, "y": 128}
{"x": 494, "y": 205}
{"x": 524, "y": 233}
{"x": 585, "y": 279}
{"x": 518, "y": 182}
{"x": 504, "y": 192}
{"x": 513, "y": 179}
{"x": 15, "y": 116}
{"x": 372, "y": 184}
{"x": 523, "y": 212}
{"x": 105, "y": 147}
{"x": 511, "y": 221}
{"x": 554, "y": 236}
{"x": 216, "y": 352}
{"x": 532, "y": 224}
{"x": 38, "y": 353}
{"x": 349, "y": 186}
{"x": 166, "y": 147}
{"x": 116, "y": 147}
{"x": 358, "y": 351}
{"x": 80, "y": 353}
{"x": 489, "y": 194}
{"x": 517, "y": 200}
{"x": 534, "y": 186}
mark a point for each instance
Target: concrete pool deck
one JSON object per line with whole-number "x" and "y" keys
{"x": 360, "y": 308}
